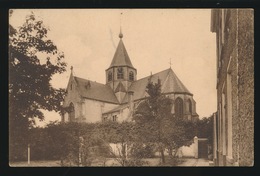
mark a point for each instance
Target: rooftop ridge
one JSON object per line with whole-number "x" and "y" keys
{"x": 88, "y": 80}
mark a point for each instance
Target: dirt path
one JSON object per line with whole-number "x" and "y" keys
{"x": 193, "y": 162}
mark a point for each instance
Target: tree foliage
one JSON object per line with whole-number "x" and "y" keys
{"x": 33, "y": 60}
{"x": 76, "y": 144}
{"x": 30, "y": 74}
{"x": 157, "y": 124}
{"x": 205, "y": 128}
{"x": 124, "y": 136}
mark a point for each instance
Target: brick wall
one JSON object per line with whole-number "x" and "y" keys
{"x": 246, "y": 86}
{"x": 238, "y": 60}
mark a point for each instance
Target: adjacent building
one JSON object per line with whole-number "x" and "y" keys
{"x": 90, "y": 101}
{"x": 234, "y": 120}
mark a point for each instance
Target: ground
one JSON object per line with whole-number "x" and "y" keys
{"x": 201, "y": 162}
{"x": 184, "y": 162}
{"x": 41, "y": 163}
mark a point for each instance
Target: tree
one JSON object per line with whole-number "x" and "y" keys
{"x": 157, "y": 124}
{"x": 205, "y": 126}
{"x": 127, "y": 149}
{"x": 33, "y": 60}
{"x": 120, "y": 134}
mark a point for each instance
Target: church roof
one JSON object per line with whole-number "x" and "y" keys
{"x": 97, "y": 91}
{"x": 121, "y": 57}
{"x": 169, "y": 80}
{"x": 173, "y": 84}
{"x": 120, "y": 88}
{"x": 170, "y": 84}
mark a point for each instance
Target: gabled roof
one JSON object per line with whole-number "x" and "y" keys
{"x": 120, "y": 88}
{"x": 121, "y": 57}
{"x": 169, "y": 80}
{"x": 96, "y": 91}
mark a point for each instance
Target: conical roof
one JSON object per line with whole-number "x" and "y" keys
{"x": 121, "y": 57}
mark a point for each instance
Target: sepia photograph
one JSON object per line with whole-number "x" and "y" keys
{"x": 131, "y": 87}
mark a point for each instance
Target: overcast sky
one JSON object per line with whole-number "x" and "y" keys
{"x": 89, "y": 37}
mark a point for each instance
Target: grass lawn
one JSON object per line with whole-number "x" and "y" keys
{"x": 109, "y": 162}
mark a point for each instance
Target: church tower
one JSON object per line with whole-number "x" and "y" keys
{"x": 121, "y": 73}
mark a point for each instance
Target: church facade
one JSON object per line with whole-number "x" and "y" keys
{"x": 89, "y": 101}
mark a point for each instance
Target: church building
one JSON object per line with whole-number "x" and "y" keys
{"x": 90, "y": 101}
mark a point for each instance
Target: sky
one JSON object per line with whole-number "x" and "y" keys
{"x": 152, "y": 37}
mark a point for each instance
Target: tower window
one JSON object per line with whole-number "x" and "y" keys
{"x": 114, "y": 118}
{"x": 131, "y": 76}
{"x": 110, "y": 75}
{"x": 120, "y": 73}
{"x": 70, "y": 86}
{"x": 179, "y": 108}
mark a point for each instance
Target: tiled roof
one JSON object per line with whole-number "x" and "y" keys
{"x": 173, "y": 84}
{"x": 169, "y": 80}
{"x": 121, "y": 57}
{"x": 120, "y": 88}
{"x": 97, "y": 91}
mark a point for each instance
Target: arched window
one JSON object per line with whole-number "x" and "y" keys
{"x": 71, "y": 112}
{"x": 110, "y": 75}
{"x": 131, "y": 76}
{"x": 179, "y": 108}
{"x": 120, "y": 73}
{"x": 189, "y": 106}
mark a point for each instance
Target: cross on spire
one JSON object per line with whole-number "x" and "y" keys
{"x": 170, "y": 63}
{"x": 120, "y": 34}
{"x": 121, "y": 18}
{"x": 71, "y": 69}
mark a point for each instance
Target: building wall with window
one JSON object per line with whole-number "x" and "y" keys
{"x": 88, "y": 110}
{"x": 72, "y": 98}
{"x": 184, "y": 105}
{"x": 234, "y": 120}
{"x": 93, "y": 109}
{"x": 118, "y": 116}
{"x": 117, "y": 74}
